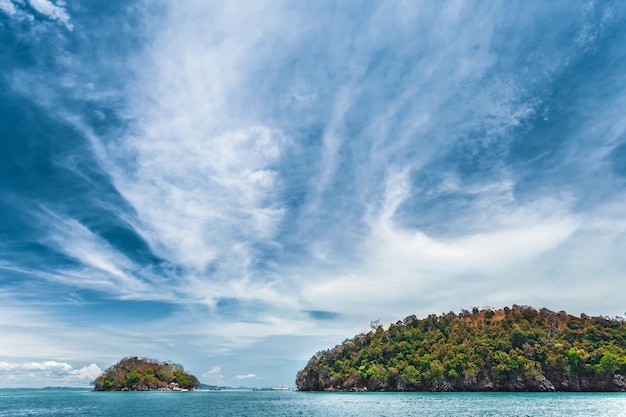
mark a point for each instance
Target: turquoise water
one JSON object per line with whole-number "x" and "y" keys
{"x": 271, "y": 403}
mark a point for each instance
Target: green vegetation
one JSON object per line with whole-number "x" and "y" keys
{"x": 134, "y": 374}
{"x": 512, "y": 349}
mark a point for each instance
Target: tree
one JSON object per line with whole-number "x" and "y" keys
{"x": 501, "y": 345}
{"x": 133, "y": 373}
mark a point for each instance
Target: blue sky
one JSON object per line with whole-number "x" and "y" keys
{"x": 237, "y": 185}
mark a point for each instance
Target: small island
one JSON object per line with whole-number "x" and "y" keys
{"x": 510, "y": 349}
{"x": 135, "y": 374}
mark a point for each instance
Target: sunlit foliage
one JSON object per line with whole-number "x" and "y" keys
{"x": 134, "y": 374}
{"x": 517, "y": 348}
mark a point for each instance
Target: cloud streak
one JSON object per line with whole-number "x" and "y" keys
{"x": 52, "y": 11}
{"x": 247, "y": 376}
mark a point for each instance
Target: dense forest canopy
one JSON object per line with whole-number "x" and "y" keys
{"x": 135, "y": 374}
{"x": 511, "y": 349}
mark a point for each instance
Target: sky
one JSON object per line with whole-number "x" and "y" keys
{"x": 235, "y": 186}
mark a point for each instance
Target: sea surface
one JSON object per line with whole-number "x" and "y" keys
{"x": 289, "y": 403}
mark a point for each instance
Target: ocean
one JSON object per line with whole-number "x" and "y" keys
{"x": 15, "y": 403}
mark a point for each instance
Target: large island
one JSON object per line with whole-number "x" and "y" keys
{"x": 135, "y": 374}
{"x": 511, "y": 349}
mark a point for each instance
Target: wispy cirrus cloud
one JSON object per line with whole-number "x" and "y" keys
{"x": 52, "y": 11}
{"x": 97, "y": 264}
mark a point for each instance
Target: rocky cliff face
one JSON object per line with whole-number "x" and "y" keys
{"x": 484, "y": 381}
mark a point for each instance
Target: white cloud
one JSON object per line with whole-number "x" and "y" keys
{"x": 192, "y": 194}
{"x": 491, "y": 250}
{"x": 202, "y": 167}
{"x": 86, "y": 373}
{"x": 47, "y": 373}
{"x": 399, "y": 266}
{"x": 7, "y": 7}
{"x": 247, "y": 376}
{"x": 48, "y": 366}
{"x": 102, "y": 266}
{"x": 213, "y": 376}
{"x": 54, "y": 12}
{"x": 199, "y": 168}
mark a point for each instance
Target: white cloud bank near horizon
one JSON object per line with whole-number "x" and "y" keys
{"x": 47, "y": 374}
